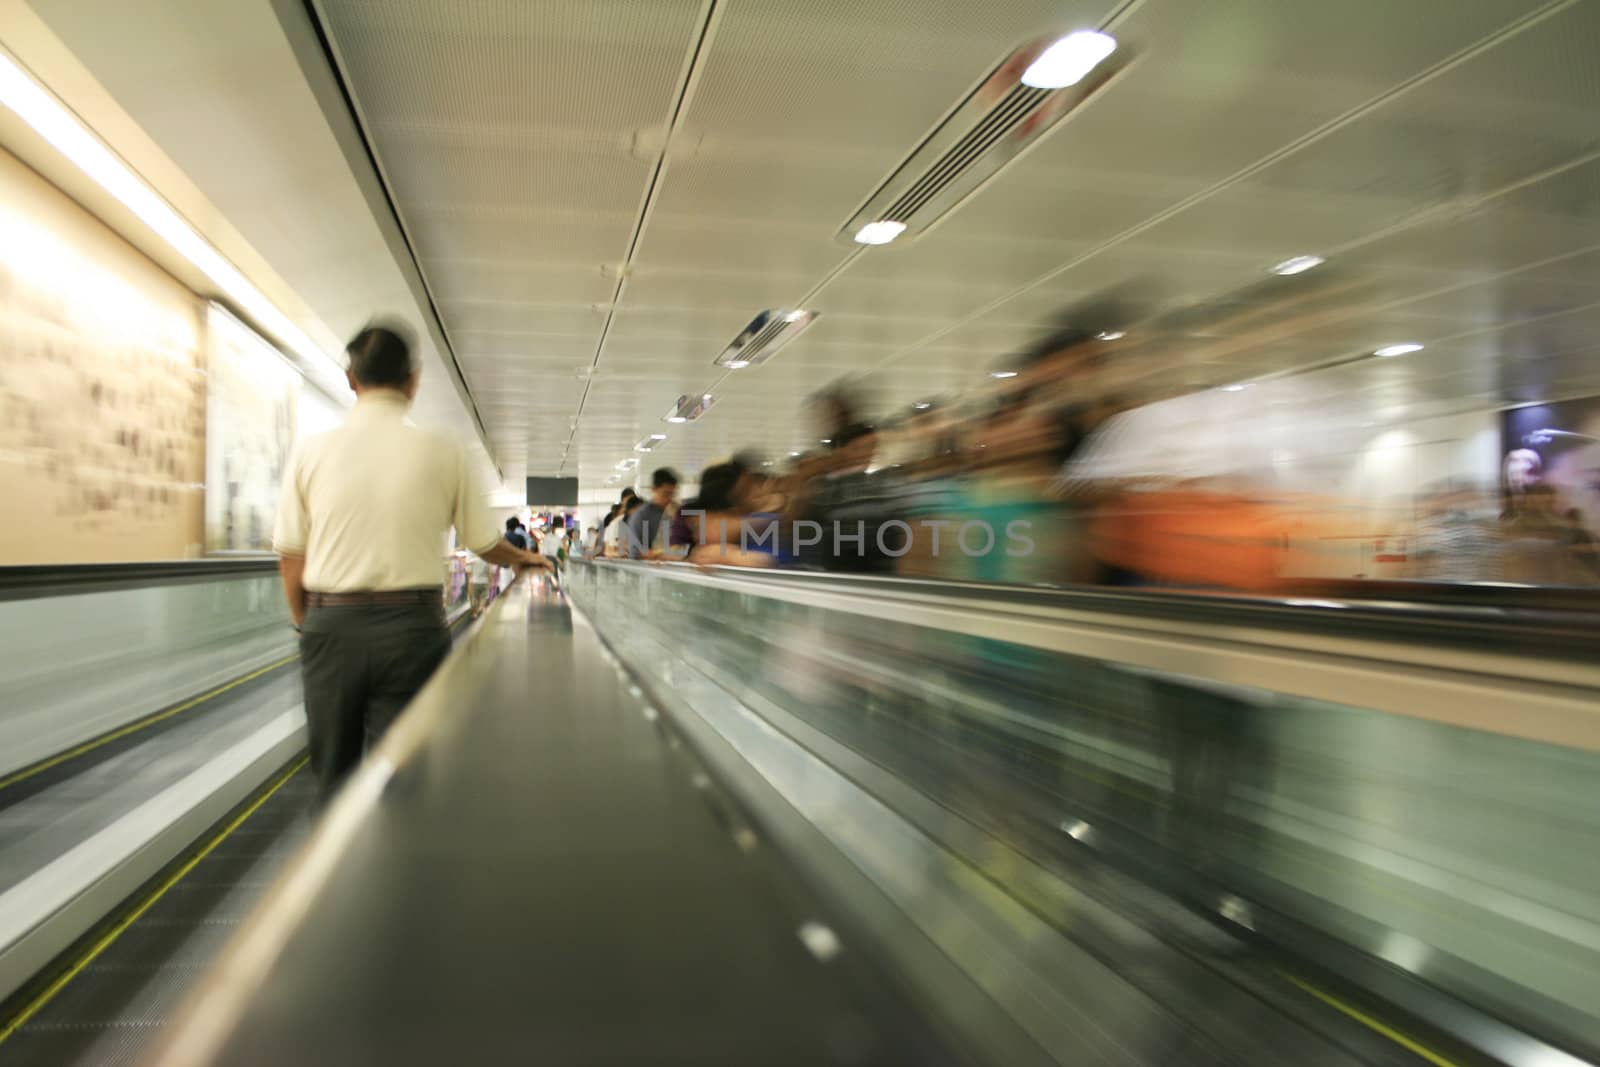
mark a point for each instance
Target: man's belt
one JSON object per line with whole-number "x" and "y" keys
{"x": 432, "y": 595}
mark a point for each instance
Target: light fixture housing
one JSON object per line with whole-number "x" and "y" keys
{"x": 67, "y": 134}
{"x": 1297, "y": 265}
{"x": 1404, "y": 348}
{"x": 880, "y": 232}
{"x": 1069, "y": 60}
{"x": 649, "y": 443}
{"x": 769, "y": 331}
{"x": 1002, "y": 118}
{"x": 689, "y": 407}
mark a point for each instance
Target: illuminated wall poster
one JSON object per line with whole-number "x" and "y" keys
{"x": 253, "y": 398}
{"x": 102, "y": 400}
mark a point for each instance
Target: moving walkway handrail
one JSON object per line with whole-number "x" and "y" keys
{"x": 28, "y": 582}
{"x": 1561, "y": 621}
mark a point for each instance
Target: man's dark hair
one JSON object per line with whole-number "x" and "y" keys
{"x": 633, "y": 504}
{"x": 380, "y": 356}
{"x": 663, "y": 476}
{"x": 513, "y": 523}
{"x": 628, "y": 493}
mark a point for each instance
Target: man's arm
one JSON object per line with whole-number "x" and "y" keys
{"x": 293, "y": 571}
{"x": 506, "y": 554}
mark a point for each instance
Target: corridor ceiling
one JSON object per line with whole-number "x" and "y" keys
{"x": 600, "y": 194}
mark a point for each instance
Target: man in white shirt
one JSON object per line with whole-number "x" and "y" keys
{"x": 360, "y": 537}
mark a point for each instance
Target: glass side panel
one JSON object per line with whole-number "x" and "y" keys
{"x": 1464, "y": 857}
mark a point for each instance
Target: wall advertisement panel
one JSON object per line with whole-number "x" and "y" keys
{"x": 102, "y": 400}
{"x": 252, "y": 405}
{"x": 1555, "y": 446}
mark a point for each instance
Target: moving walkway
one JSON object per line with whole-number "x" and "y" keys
{"x": 731, "y": 816}
{"x": 148, "y": 754}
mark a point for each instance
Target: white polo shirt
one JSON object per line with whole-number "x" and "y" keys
{"x": 368, "y": 504}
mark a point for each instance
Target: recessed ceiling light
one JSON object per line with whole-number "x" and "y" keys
{"x": 676, "y": 418}
{"x": 792, "y": 455}
{"x": 1235, "y": 388}
{"x": 1298, "y": 265}
{"x": 827, "y": 440}
{"x": 1403, "y": 349}
{"x": 922, "y": 405}
{"x": 737, "y": 364}
{"x": 1002, "y": 374}
{"x": 1110, "y": 335}
{"x": 1069, "y": 60}
{"x": 880, "y": 232}
{"x": 658, "y": 437}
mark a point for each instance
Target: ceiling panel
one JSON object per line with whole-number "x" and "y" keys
{"x": 1244, "y": 133}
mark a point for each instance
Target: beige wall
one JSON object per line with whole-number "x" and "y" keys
{"x": 102, "y": 390}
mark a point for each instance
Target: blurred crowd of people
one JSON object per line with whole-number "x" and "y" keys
{"x": 1017, "y": 491}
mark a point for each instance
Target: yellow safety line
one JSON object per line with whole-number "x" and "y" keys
{"x": 1372, "y": 1024}
{"x": 89, "y": 746}
{"x": 48, "y": 993}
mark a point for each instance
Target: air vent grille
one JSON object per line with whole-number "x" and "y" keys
{"x": 992, "y": 127}
{"x": 766, "y": 333}
{"x": 1016, "y": 106}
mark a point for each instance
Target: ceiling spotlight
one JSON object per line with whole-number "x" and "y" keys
{"x": 676, "y": 418}
{"x": 1235, "y": 388}
{"x": 1110, "y": 335}
{"x": 793, "y": 455}
{"x": 628, "y": 464}
{"x": 827, "y": 440}
{"x": 737, "y": 364}
{"x": 922, "y": 405}
{"x": 658, "y": 437}
{"x": 880, "y": 232}
{"x": 1069, "y": 60}
{"x": 1298, "y": 265}
{"x": 1002, "y": 374}
{"x": 1403, "y": 349}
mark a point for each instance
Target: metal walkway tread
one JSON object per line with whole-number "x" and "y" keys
{"x": 552, "y": 881}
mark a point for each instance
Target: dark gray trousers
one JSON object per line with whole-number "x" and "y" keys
{"x": 362, "y": 664}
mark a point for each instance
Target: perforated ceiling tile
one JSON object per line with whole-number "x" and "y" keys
{"x": 520, "y": 167}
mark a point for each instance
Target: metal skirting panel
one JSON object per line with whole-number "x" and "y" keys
{"x": 122, "y": 999}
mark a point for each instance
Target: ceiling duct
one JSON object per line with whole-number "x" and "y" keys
{"x": 767, "y": 332}
{"x": 991, "y": 128}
